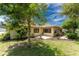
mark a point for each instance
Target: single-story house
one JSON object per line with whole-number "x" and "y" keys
{"x": 46, "y": 30}
{"x": 41, "y": 30}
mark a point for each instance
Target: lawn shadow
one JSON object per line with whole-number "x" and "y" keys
{"x": 37, "y": 49}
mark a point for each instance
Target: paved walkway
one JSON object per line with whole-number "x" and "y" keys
{"x": 43, "y": 37}
{"x": 50, "y": 37}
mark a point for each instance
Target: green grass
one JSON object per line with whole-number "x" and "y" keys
{"x": 40, "y": 48}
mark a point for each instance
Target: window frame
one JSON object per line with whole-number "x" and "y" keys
{"x": 47, "y": 30}
{"x": 36, "y": 30}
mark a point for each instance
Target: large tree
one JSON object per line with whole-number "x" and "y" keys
{"x": 23, "y": 14}
{"x": 72, "y": 13}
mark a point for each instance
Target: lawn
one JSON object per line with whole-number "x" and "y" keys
{"x": 40, "y": 48}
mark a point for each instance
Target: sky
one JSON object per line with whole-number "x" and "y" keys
{"x": 52, "y": 15}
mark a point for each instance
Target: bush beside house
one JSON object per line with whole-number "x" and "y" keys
{"x": 72, "y": 35}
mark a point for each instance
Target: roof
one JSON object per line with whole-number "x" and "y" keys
{"x": 44, "y": 26}
{"x": 47, "y": 25}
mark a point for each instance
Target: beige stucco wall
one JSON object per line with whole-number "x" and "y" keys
{"x": 35, "y": 34}
{"x": 41, "y": 31}
{"x": 50, "y": 34}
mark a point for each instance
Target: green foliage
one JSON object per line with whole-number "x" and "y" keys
{"x": 72, "y": 35}
{"x": 20, "y": 12}
{"x": 69, "y": 24}
{"x": 23, "y": 15}
{"x": 71, "y": 10}
{"x": 22, "y": 31}
{"x": 72, "y": 23}
{"x": 1, "y": 37}
{"x": 42, "y": 48}
{"x": 5, "y": 37}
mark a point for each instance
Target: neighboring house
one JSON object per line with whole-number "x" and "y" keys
{"x": 42, "y": 30}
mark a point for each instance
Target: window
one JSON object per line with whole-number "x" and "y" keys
{"x": 36, "y": 30}
{"x": 56, "y": 31}
{"x": 47, "y": 30}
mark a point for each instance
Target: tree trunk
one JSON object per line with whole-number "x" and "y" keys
{"x": 74, "y": 29}
{"x": 29, "y": 41}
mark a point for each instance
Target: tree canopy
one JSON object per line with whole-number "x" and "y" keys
{"x": 20, "y": 13}
{"x": 72, "y": 21}
{"x": 23, "y": 14}
{"x": 71, "y": 10}
{"x": 72, "y": 13}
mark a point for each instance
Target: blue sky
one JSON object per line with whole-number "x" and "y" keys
{"x": 52, "y": 15}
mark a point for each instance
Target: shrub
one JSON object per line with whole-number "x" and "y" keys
{"x": 72, "y": 35}
{"x": 21, "y": 33}
{"x": 6, "y": 37}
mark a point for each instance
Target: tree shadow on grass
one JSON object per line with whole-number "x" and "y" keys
{"x": 37, "y": 49}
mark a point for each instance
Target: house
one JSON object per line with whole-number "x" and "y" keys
{"x": 42, "y": 30}
{"x": 46, "y": 30}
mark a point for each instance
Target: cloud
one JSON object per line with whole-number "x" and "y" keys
{"x": 56, "y": 20}
{"x": 60, "y": 19}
